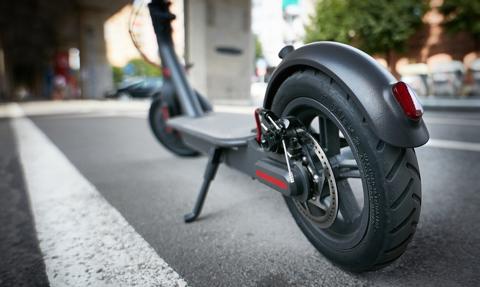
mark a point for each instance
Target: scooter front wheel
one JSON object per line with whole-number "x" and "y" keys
{"x": 379, "y": 190}
{"x": 163, "y": 107}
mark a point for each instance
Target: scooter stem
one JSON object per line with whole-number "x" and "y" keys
{"x": 161, "y": 19}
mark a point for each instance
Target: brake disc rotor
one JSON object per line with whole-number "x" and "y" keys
{"x": 321, "y": 210}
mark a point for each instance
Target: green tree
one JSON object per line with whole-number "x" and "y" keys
{"x": 462, "y": 15}
{"x": 258, "y": 48}
{"x": 376, "y": 26}
{"x": 143, "y": 68}
{"x": 117, "y": 75}
{"x": 331, "y": 22}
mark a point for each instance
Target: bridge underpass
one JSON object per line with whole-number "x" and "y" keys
{"x": 39, "y": 39}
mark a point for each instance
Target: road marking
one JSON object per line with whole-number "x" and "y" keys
{"x": 111, "y": 114}
{"x": 139, "y": 109}
{"x": 85, "y": 241}
{"x": 458, "y": 145}
{"x": 452, "y": 121}
{"x": 12, "y": 110}
{"x": 78, "y": 107}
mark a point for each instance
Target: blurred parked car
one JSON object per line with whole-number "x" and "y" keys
{"x": 137, "y": 88}
{"x": 447, "y": 78}
{"x": 417, "y": 76}
{"x": 475, "y": 68}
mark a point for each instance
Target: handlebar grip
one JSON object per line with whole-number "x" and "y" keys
{"x": 162, "y": 4}
{"x": 161, "y": 17}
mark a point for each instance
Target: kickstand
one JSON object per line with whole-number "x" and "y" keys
{"x": 210, "y": 171}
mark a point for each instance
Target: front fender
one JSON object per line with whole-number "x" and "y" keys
{"x": 367, "y": 82}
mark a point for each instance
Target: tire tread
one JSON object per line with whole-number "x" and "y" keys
{"x": 407, "y": 205}
{"x": 396, "y": 178}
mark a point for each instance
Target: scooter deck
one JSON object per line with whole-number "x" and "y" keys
{"x": 218, "y": 129}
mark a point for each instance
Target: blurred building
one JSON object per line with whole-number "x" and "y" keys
{"x": 208, "y": 34}
{"x": 432, "y": 44}
{"x": 436, "y": 62}
{"x": 63, "y": 49}
{"x": 120, "y": 48}
{"x": 443, "y": 61}
{"x": 278, "y": 23}
{"x": 54, "y": 48}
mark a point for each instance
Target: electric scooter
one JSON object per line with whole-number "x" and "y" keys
{"x": 335, "y": 137}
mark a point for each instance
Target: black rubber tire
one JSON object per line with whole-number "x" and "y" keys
{"x": 391, "y": 179}
{"x": 171, "y": 140}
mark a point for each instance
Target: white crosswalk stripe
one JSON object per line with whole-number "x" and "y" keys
{"x": 84, "y": 240}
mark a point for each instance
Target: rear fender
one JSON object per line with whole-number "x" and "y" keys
{"x": 368, "y": 84}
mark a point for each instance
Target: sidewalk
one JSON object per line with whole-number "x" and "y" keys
{"x": 39, "y": 108}
{"x": 433, "y": 103}
{"x": 141, "y": 106}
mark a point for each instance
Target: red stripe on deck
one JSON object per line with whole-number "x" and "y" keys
{"x": 273, "y": 180}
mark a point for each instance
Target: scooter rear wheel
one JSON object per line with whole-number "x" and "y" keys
{"x": 379, "y": 202}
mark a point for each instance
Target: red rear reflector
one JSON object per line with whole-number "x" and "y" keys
{"x": 408, "y": 100}
{"x": 273, "y": 180}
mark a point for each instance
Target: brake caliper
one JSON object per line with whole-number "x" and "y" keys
{"x": 308, "y": 177}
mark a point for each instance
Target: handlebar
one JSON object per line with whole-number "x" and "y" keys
{"x": 160, "y": 11}
{"x": 163, "y": 5}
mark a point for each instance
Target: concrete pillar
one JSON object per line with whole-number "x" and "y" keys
{"x": 219, "y": 43}
{"x": 96, "y": 74}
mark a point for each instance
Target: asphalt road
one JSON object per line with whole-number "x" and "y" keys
{"x": 246, "y": 236}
